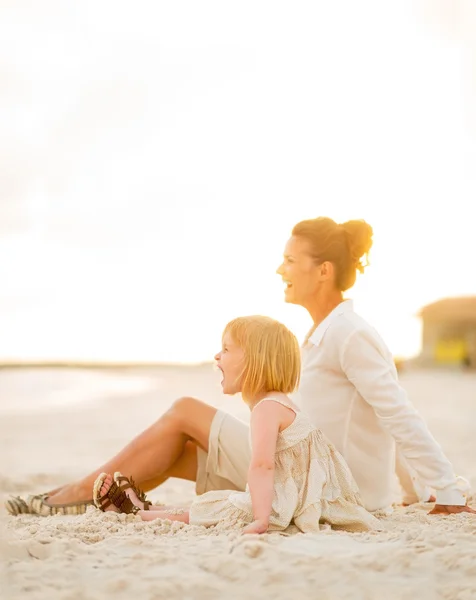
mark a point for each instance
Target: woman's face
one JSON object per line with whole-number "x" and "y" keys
{"x": 301, "y": 275}
{"x": 230, "y": 361}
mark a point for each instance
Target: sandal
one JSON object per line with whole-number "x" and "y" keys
{"x": 126, "y": 483}
{"x": 115, "y": 496}
{"x": 17, "y": 506}
{"x": 38, "y": 505}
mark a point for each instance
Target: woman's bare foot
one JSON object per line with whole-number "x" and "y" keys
{"x": 68, "y": 494}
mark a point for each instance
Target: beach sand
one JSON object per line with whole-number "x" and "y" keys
{"x": 56, "y": 425}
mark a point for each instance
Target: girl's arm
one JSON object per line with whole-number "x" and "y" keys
{"x": 265, "y": 422}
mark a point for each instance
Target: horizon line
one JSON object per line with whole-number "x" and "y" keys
{"x": 97, "y": 364}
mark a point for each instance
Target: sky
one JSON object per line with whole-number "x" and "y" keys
{"x": 155, "y": 156}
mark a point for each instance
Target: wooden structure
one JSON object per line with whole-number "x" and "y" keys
{"x": 449, "y": 332}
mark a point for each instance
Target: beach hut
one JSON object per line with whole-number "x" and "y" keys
{"x": 449, "y": 332}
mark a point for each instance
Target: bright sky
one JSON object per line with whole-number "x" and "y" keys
{"x": 155, "y": 156}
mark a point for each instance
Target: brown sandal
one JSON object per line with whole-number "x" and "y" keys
{"x": 126, "y": 483}
{"x": 115, "y": 496}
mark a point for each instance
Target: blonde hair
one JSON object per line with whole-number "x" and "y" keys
{"x": 345, "y": 245}
{"x": 272, "y": 355}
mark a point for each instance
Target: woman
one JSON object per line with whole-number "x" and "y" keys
{"x": 349, "y": 388}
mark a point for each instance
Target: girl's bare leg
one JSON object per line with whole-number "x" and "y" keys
{"x": 154, "y": 512}
{"x": 151, "y": 515}
{"x": 166, "y": 449}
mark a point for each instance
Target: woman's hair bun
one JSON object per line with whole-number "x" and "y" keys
{"x": 359, "y": 238}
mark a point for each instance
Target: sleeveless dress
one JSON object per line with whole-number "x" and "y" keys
{"x": 312, "y": 485}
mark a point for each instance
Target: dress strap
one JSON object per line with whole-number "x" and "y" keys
{"x": 279, "y": 402}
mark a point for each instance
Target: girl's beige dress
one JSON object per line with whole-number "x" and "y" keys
{"x": 312, "y": 485}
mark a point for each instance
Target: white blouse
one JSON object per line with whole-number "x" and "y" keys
{"x": 349, "y": 388}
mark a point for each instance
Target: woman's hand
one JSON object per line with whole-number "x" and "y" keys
{"x": 448, "y": 509}
{"x": 258, "y": 526}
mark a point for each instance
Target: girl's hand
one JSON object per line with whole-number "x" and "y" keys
{"x": 257, "y": 526}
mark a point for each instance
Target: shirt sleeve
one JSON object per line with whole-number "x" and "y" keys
{"x": 413, "y": 490}
{"x": 369, "y": 366}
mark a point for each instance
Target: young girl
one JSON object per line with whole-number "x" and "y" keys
{"x": 296, "y": 476}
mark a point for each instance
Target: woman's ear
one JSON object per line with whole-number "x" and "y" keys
{"x": 327, "y": 270}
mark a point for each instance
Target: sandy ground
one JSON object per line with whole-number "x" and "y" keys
{"x": 55, "y": 425}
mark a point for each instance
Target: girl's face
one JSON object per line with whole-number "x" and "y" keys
{"x": 230, "y": 361}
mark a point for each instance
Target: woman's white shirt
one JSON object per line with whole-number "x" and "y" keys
{"x": 349, "y": 388}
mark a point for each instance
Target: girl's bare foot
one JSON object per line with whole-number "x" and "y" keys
{"x": 102, "y": 485}
{"x": 108, "y": 496}
{"x": 127, "y": 486}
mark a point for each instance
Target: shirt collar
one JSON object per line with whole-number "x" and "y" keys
{"x": 317, "y": 335}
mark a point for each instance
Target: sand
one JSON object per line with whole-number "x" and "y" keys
{"x": 56, "y": 425}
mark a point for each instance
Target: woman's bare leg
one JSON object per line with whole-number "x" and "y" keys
{"x": 185, "y": 467}
{"x": 166, "y": 449}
